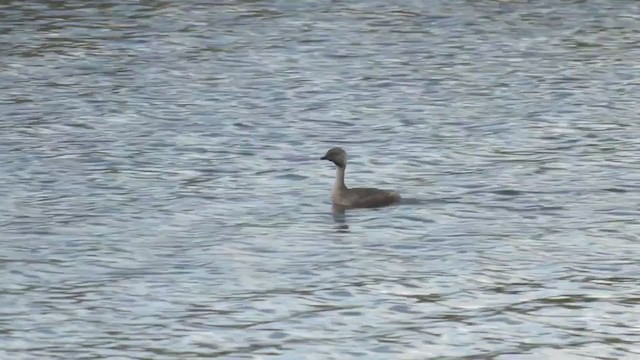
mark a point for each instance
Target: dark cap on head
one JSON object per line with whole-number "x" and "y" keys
{"x": 337, "y": 156}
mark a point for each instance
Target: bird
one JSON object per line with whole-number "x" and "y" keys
{"x": 346, "y": 197}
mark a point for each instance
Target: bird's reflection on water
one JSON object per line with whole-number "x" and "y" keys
{"x": 339, "y": 214}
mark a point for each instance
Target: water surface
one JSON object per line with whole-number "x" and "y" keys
{"x": 161, "y": 194}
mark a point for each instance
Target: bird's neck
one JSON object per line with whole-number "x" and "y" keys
{"x": 339, "y": 185}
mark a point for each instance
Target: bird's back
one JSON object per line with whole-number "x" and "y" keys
{"x": 369, "y": 197}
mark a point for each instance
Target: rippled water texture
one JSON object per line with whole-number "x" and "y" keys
{"x": 162, "y": 197}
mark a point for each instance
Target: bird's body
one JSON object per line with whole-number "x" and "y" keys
{"x": 355, "y": 197}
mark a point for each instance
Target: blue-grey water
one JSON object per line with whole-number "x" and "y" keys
{"x": 162, "y": 197}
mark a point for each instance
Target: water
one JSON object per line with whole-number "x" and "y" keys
{"x": 162, "y": 194}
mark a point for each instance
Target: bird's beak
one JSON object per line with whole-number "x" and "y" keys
{"x": 323, "y": 158}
